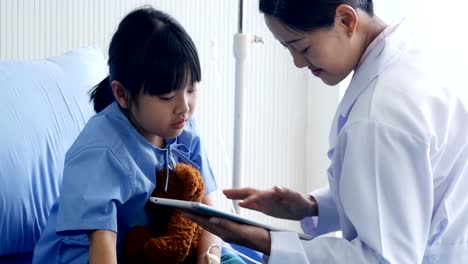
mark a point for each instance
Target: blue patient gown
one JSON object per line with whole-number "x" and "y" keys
{"x": 108, "y": 177}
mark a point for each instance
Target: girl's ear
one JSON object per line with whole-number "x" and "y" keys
{"x": 120, "y": 94}
{"x": 346, "y": 19}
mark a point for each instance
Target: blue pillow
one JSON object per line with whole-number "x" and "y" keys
{"x": 44, "y": 106}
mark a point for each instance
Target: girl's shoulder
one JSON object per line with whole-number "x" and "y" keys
{"x": 108, "y": 129}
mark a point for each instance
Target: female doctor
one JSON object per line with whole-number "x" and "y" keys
{"x": 398, "y": 144}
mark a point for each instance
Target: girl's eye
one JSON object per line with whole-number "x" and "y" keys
{"x": 192, "y": 90}
{"x": 166, "y": 97}
{"x": 304, "y": 51}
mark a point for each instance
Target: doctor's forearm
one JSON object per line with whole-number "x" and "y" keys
{"x": 256, "y": 238}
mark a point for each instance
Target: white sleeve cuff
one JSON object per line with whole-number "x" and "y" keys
{"x": 328, "y": 220}
{"x": 286, "y": 247}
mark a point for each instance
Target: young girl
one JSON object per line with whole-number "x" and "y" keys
{"x": 398, "y": 143}
{"x": 143, "y": 124}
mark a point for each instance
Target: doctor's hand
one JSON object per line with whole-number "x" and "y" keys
{"x": 249, "y": 236}
{"x": 278, "y": 202}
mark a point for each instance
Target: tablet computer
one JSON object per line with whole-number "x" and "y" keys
{"x": 203, "y": 209}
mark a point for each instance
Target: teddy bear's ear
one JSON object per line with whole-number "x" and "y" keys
{"x": 185, "y": 183}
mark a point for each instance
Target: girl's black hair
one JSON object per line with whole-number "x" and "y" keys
{"x": 151, "y": 53}
{"x": 306, "y": 15}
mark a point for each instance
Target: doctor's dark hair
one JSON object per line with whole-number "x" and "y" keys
{"x": 150, "y": 53}
{"x": 306, "y": 15}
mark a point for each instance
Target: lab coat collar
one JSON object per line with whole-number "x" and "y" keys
{"x": 382, "y": 52}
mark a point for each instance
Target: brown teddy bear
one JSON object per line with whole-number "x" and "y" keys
{"x": 173, "y": 238}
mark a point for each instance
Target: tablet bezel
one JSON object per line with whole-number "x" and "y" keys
{"x": 203, "y": 209}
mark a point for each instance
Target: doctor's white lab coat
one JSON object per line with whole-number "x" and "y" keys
{"x": 398, "y": 180}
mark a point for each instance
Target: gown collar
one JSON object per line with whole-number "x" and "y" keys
{"x": 171, "y": 151}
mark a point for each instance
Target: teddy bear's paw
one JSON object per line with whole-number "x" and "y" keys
{"x": 170, "y": 249}
{"x": 134, "y": 244}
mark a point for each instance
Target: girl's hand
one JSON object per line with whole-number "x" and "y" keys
{"x": 253, "y": 237}
{"x": 278, "y": 202}
{"x": 206, "y": 238}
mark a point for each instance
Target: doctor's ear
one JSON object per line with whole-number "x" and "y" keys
{"x": 346, "y": 18}
{"x": 120, "y": 94}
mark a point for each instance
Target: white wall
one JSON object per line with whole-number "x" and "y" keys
{"x": 288, "y": 113}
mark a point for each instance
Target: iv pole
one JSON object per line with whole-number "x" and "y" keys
{"x": 242, "y": 43}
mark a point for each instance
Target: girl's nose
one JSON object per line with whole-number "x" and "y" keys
{"x": 182, "y": 104}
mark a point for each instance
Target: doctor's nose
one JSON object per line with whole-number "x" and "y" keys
{"x": 299, "y": 60}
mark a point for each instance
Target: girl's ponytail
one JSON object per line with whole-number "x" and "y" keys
{"x": 102, "y": 95}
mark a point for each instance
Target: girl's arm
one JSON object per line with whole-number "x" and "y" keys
{"x": 207, "y": 239}
{"x": 102, "y": 246}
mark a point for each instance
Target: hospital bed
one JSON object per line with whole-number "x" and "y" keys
{"x": 44, "y": 105}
